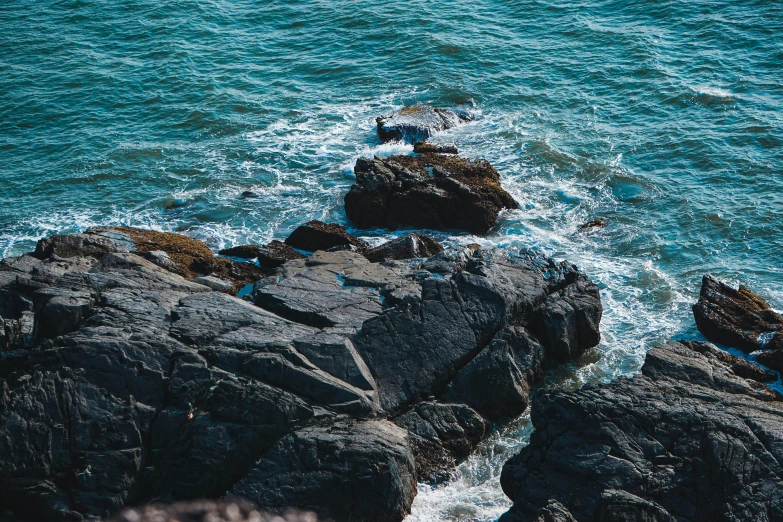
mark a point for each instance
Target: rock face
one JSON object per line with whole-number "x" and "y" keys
{"x": 419, "y": 122}
{"x": 315, "y": 235}
{"x": 432, "y": 191}
{"x": 690, "y": 439}
{"x": 409, "y": 246}
{"x": 741, "y": 319}
{"x": 334, "y": 388}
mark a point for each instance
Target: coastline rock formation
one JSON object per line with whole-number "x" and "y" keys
{"x": 434, "y": 191}
{"x": 333, "y": 386}
{"x": 419, "y": 122}
{"x": 691, "y": 439}
{"x": 741, "y": 319}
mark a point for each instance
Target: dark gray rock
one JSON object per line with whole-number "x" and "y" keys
{"x": 497, "y": 382}
{"x": 330, "y": 289}
{"x": 687, "y": 440}
{"x": 416, "y": 348}
{"x": 741, "y": 319}
{"x": 419, "y": 122}
{"x": 409, "y": 246}
{"x": 347, "y": 471}
{"x": 441, "y": 435}
{"x": 122, "y": 381}
{"x": 315, "y": 235}
{"x": 433, "y": 191}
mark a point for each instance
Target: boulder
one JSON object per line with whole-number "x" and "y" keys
{"x": 741, "y": 319}
{"x": 409, "y": 246}
{"x": 432, "y": 191}
{"x": 346, "y": 471}
{"x": 419, "y": 122}
{"x": 689, "y": 439}
{"x": 315, "y": 235}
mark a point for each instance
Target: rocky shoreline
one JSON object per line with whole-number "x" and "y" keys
{"x": 326, "y": 375}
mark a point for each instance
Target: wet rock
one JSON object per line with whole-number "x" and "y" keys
{"x": 209, "y": 511}
{"x": 409, "y": 246}
{"x": 312, "y": 469}
{"x": 418, "y": 122}
{"x": 688, "y": 439}
{"x": 422, "y": 147}
{"x": 432, "y": 191}
{"x": 315, "y": 235}
{"x": 741, "y": 319}
{"x": 441, "y": 435}
{"x": 593, "y": 224}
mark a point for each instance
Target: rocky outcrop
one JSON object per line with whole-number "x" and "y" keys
{"x": 419, "y": 122}
{"x": 315, "y": 235}
{"x": 409, "y": 246}
{"x": 334, "y": 386}
{"x": 180, "y": 254}
{"x": 741, "y": 319}
{"x": 690, "y": 439}
{"x": 432, "y": 191}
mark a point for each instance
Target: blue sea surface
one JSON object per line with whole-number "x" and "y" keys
{"x": 663, "y": 117}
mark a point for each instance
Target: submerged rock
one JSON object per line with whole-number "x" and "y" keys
{"x": 340, "y": 385}
{"x": 315, "y": 235}
{"x": 689, "y": 439}
{"x": 593, "y": 225}
{"x": 409, "y": 246}
{"x": 428, "y": 191}
{"x": 422, "y": 147}
{"x": 419, "y": 122}
{"x": 741, "y": 319}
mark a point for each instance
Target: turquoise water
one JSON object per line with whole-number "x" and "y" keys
{"x": 666, "y": 118}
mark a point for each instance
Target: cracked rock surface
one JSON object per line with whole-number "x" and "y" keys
{"x": 690, "y": 439}
{"x": 334, "y": 386}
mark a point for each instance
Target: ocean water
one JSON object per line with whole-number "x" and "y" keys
{"x": 665, "y": 118}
